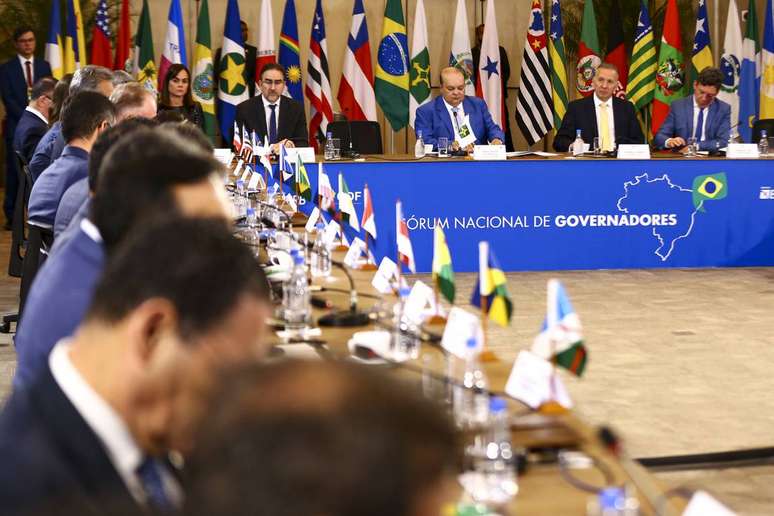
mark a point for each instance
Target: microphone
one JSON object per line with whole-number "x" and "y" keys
{"x": 275, "y": 209}
{"x": 351, "y": 151}
{"x": 346, "y": 318}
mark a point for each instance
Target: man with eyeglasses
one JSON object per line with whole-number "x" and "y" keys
{"x": 273, "y": 115}
{"x": 699, "y": 116}
{"x": 17, "y": 77}
{"x": 33, "y": 123}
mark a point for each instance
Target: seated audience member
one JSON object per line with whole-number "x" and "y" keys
{"x": 272, "y": 115}
{"x": 444, "y": 115}
{"x": 33, "y": 123}
{"x": 169, "y": 117}
{"x": 700, "y": 115}
{"x": 149, "y": 174}
{"x": 176, "y": 95}
{"x": 122, "y": 77}
{"x": 601, "y": 115}
{"x": 61, "y": 94}
{"x": 356, "y": 443}
{"x": 78, "y": 194}
{"x": 89, "y": 78}
{"x": 86, "y": 115}
{"x": 178, "y": 301}
{"x": 132, "y": 100}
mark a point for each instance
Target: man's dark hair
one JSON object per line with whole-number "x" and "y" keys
{"x": 329, "y": 442}
{"x": 84, "y": 112}
{"x": 192, "y": 133}
{"x": 21, "y": 31}
{"x": 169, "y": 116}
{"x": 710, "y": 76}
{"x": 196, "y": 264}
{"x": 107, "y": 139}
{"x": 44, "y": 86}
{"x": 137, "y": 176}
{"x": 272, "y": 66}
{"x": 61, "y": 94}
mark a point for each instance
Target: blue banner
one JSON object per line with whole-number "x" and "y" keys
{"x": 584, "y": 214}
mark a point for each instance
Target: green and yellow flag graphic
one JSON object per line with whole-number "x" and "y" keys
{"x": 392, "y": 73}
{"x": 144, "y": 63}
{"x": 202, "y": 83}
{"x": 712, "y": 187}
{"x": 443, "y": 274}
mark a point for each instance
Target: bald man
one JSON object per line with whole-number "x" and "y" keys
{"x": 443, "y": 116}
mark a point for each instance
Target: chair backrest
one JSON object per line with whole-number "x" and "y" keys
{"x": 18, "y": 237}
{"x": 366, "y": 136}
{"x": 767, "y": 124}
{"x": 38, "y": 245}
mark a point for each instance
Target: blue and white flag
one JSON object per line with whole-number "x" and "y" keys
{"x": 731, "y": 62}
{"x": 561, "y": 337}
{"x": 174, "y": 45}
{"x": 232, "y": 89}
{"x": 750, "y": 79}
{"x": 54, "y": 42}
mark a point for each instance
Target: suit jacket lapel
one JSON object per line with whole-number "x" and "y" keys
{"x": 591, "y": 112}
{"x": 260, "y": 120}
{"x": 443, "y": 114}
{"x": 282, "y": 120}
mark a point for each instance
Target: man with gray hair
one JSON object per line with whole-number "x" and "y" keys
{"x": 89, "y": 78}
{"x": 132, "y": 100}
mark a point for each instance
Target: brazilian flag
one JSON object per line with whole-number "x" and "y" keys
{"x": 712, "y": 187}
{"x": 392, "y": 73}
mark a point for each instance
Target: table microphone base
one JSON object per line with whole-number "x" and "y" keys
{"x": 344, "y": 319}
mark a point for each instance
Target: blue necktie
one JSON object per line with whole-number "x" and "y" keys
{"x": 149, "y": 474}
{"x": 699, "y": 126}
{"x": 273, "y": 124}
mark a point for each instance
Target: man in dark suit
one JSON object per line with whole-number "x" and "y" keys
{"x": 600, "y": 115}
{"x": 443, "y": 116}
{"x": 505, "y": 68}
{"x": 147, "y": 175}
{"x": 33, "y": 123}
{"x": 273, "y": 115}
{"x": 93, "y": 433}
{"x": 251, "y": 54}
{"x": 700, "y": 115}
{"x": 17, "y": 76}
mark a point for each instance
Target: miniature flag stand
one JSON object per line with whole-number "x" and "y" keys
{"x": 491, "y": 295}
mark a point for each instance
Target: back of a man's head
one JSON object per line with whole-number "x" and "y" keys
{"x": 195, "y": 264}
{"x": 92, "y": 78}
{"x": 191, "y": 133}
{"x": 138, "y": 177}
{"x": 44, "y": 86}
{"x": 107, "y": 139}
{"x": 133, "y": 100}
{"x": 83, "y": 113}
{"x": 299, "y": 438}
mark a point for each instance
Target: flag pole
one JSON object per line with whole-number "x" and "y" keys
{"x": 437, "y": 318}
{"x": 368, "y": 265}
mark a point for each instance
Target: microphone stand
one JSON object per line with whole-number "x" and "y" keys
{"x": 346, "y": 318}
{"x": 351, "y": 152}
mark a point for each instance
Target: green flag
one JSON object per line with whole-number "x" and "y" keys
{"x": 670, "y": 75}
{"x": 203, "y": 73}
{"x": 144, "y": 68}
{"x": 588, "y": 52}
{"x": 392, "y": 76}
{"x": 419, "y": 72}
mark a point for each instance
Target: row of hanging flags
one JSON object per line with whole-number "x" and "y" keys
{"x": 401, "y": 80}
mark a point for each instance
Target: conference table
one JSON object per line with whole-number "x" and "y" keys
{"x": 544, "y": 488}
{"x": 564, "y": 213}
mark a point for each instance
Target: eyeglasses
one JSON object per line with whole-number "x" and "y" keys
{"x": 269, "y": 82}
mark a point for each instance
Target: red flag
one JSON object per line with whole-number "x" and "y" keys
{"x": 368, "y": 222}
{"x": 123, "y": 40}
{"x": 318, "y": 86}
{"x": 100, "y": 38}
{"x": 266, "y": 52}
{"x": 588, "y": 51}
{"x": 616, "y": 50}
{"x": 670, "y": 76}
{"x": 356, "y": 89}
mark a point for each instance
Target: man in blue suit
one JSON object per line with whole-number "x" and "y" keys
{"x": 444, "y": 115}
{"x": 33, "y": 123}
{"x": 700, "y": 115}
{"x": 146, "y": 175}
{"x": 179, "y": 301}
{"x": 17, "y": 76}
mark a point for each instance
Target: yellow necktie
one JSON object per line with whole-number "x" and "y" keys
{"x": 604, "y": 128}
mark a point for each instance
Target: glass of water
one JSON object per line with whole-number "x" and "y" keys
{"x": 692, "y": 146}
{"x": 595, "y": 146}
{"x": 443, "y": 147}
{"x": 336, "y": 148}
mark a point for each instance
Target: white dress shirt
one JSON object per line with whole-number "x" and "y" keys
{"x": 267, "y": 112}
{"x": 610, "y": 118}
{"x": 106, "y": 423}
{"x": 460, "y": 118}
{"x": 23, "y": 60}
{"x": 696, "y": 109}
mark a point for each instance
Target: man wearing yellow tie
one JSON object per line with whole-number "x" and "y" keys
{"x": 601, "y": 115}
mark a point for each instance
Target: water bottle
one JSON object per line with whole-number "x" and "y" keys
{"x": 329, "y": 152}
{"x": 496, "y": 462}
{"x": 577, "y": 145}
{"x": 763, "y": 144}
{"x": 252, "y": 219}
{"x": 250, "y": 233}
{"x": 240, "y": 201}
{"x": 404, "y": 344}
{"x": 419, "y": 147}
{"x": 471, "y": 402}
{"x": 321, "y": 255}
{"x": 295, "y": 300}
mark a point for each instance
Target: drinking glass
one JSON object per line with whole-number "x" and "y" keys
{"x": 595, "y": 146}
{"x": 336, "y": 148}
{"x": 692, "y": 146}
{"x": 443, "y": 147}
